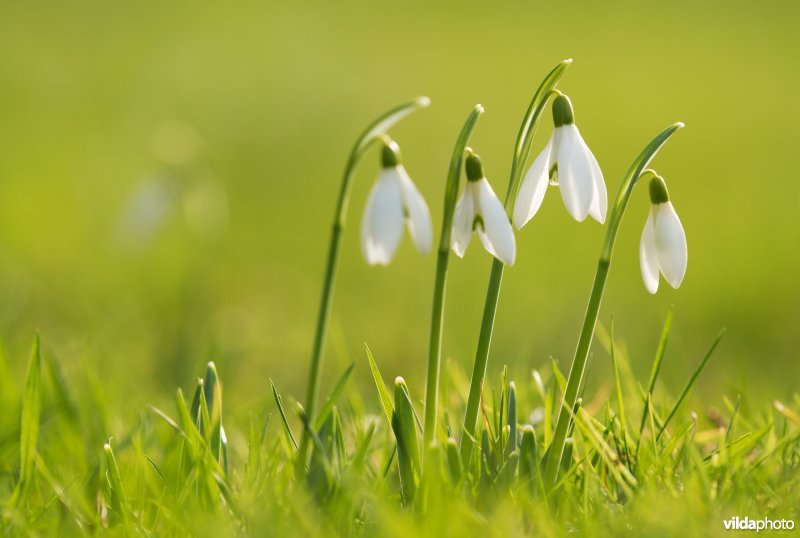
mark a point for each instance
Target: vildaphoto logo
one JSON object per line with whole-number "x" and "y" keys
{"x": 737, "y": 523}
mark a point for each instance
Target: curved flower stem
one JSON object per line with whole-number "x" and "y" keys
{"x": 374, "y": 132}
{"x": 635, "y": 172}
{"x": 437, "y": 317}
{"x": 522, "y": 148}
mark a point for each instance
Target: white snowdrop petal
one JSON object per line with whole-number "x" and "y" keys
{"x": 382, "y": 224}
{"x": 498, "y": 235}
{"x": 670, "y": 241}
{"x": 648, "y": 256}
{"x": 533, "y": 188}
{"x": 574, "y": 173}
{"x": 462, "y": 222}
{"x": 599, "y": 207}
{"x": 418, "y": 217}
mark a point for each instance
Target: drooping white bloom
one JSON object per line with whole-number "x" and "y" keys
{"x": 480, "y": 210}
{"x": 566, "y": 161}
{"x": 393, "y": 201}
{"x": 663, "y": 244}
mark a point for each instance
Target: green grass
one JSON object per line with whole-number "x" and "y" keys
{"x": 176, "y": 472}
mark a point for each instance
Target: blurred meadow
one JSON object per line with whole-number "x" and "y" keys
{"x": 168, "y": 173}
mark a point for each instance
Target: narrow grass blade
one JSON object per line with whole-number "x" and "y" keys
{"x": 286, "y": 428}
{"x": 454, "y": 461}
{"x": 512, "y": 419}
{"x": 566, "y": 457}
{"x": 733, "y": 418}
{"x": 528, "y": 456}
{"x": 321, "y": 474}
{"x": 691, "y": 382}
{"x": 404, "y": 413}
{"x": 559, "y": 377}
{"x": 29, "y": 425}
{"x": 335, "y": 393}
{"x": 117, "y": 498}
{"x": 656, "y": 367}
{"x": 618, "y": 390}
{"x": 360, "y": 455}
{"x": 405, "y": 430}
{"x": 386, "y": 402}
{"x": 213, "y": 394}
{"x": 790, "y": 415}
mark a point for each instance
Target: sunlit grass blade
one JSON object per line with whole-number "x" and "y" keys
{"x": 213, "y": 395}
{"x": 743, "y": 445}
{"x": 360, "y": 455}
{"x": 321, "y": 476}
{"x": 335, "y": 393}
{"x": 558, "y": 376}
{"x": 656, "y": 367}
{"x": 512, "y": 418}
{"x": 622, "y": 476}
{"x": 618, "y": 390}
{"x": 454, "y": 461}
{"x": 786, "y": 412}
{"x": 691, "y": 382}
{"x": 117, "y": 497}
{"x": 732, "y": 421}
{"x": 386, "y": 402}
{"x": 566, "y": 458}
{"x": 29, "y": 426}
{"x": 286, "y": 428}
{"x": 405, "y": 430}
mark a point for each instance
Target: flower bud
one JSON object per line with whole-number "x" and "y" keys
{"x": 562, "y": 111}
{"x": 474, "y": 167}
{"x": 390, "y": 154}
{"x": 658, "y": 190}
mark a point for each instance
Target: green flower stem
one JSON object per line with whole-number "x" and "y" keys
{"x": 522, "y": 149}
{"x": 578, "y": 367}
{"x": 374, "y": 132}
{"x": 437, "y": 317}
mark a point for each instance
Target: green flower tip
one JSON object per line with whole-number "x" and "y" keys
{"x": 423, "y": 101}
{"x": 473, "y": 166}
{"x": 562, "y": 111}
{"x": 390, "y": 154}
{"x": 658, "y": 191}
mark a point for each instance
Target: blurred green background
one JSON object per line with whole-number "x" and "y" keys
{"x": 168, "y": 172}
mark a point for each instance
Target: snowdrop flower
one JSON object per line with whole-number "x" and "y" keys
{"x": 481, "y": 211}
{"x": 393, "y": 200}
{"x": 567, "y": 162}
{"x": 663, "y": 244}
